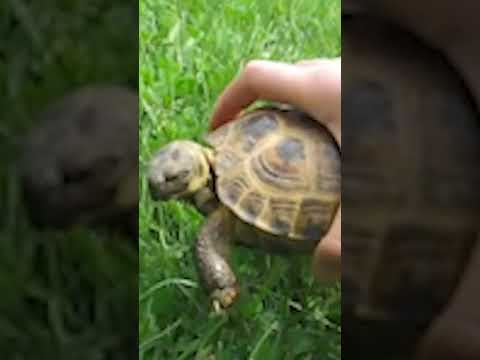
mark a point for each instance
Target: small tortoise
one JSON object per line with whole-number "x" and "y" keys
{"x": 269, "y": 180}
{"x": 79, "y": 164}
{"x": 410, "y": 192}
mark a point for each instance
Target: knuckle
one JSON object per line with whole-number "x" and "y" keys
{"x": 253, "y": 67}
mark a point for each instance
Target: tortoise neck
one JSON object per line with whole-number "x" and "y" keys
{"x": 205, "y": 199}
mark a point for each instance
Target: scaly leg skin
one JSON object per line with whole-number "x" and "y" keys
{"x": 212, "y": 252}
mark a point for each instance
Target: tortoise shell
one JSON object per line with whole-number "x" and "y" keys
{"x": 278, "y": 170}
{"x": 411, "y": 199}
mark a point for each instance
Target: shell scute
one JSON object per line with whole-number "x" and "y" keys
{"x": 273, "y": 173}
{"x": 252, "y": 205}
{"x": 256, "y": 128}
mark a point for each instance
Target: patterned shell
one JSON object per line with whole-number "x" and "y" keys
{"x": 278, "y": 170}
{"x": 410, "y": 188}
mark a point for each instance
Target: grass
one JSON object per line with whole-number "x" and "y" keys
{"x": 189, "y": 51}
{"x": 65, "y": 295}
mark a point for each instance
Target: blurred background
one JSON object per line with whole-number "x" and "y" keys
{"x": 410, "y": 199}
{"x": 189, "y": 51}
{"x": 67, "y": 292}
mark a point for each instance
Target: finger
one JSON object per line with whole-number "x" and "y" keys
{"x": 316, "y": 62}
{"x": 308, "y": 62}
{"x": 316, "y": 90}
{"x": 313, "y": 89}
{"x": 260, "y": 79}
{"x": 327, "y": 257}
{"x": 324, "y": 104}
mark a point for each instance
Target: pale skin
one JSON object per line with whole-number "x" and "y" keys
{"x": 313, "y": 86}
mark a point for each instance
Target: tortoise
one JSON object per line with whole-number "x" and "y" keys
{"x": 410, "y": 193}
{"x": 79, "y": 164}
{"x": 268, "y": 180}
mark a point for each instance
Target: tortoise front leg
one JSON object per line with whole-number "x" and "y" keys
{"x": 212, "y": 252}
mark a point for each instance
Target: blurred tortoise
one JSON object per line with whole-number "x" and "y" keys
{"x": 410, "y": 193}
{"x": 79, "y": 165}
{"x": 268, "y": 180}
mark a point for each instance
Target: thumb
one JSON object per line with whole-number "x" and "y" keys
{"x": 327, "y": 258}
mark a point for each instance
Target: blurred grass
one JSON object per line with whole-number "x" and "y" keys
{"x": 64, "y": 295}
{"x": 189, "y": 51}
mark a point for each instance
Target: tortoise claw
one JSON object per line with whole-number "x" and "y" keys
{"x": 217, "y": 307}
{"x": 223, "y": 298}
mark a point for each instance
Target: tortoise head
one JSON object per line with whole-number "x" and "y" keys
{"x": 179, "y": 170}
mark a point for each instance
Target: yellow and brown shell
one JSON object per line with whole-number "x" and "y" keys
{"x": 278, "y": 170}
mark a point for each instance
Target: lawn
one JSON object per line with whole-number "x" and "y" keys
{"x": 189, "y": 51}
{"x": 64, "y": 295}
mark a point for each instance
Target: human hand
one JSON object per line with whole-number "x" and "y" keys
{"x": 311, "y": 85}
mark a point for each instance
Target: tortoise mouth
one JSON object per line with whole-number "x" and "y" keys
{"x": 167, "y": 190}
